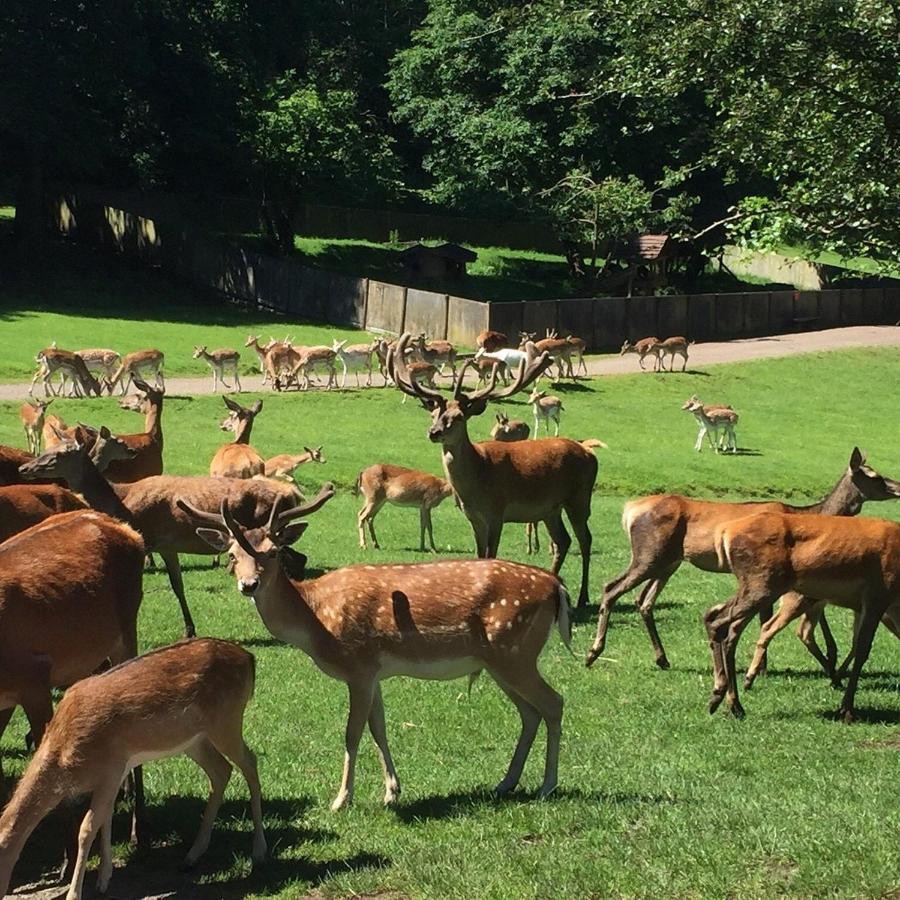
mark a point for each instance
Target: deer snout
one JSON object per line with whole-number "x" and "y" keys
{"x": 248, "y": 586}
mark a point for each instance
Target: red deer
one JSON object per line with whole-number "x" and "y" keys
{"x": 520, "y": 481}
{"x": 491, "y": 341}
{"x": 238, "y": 459}
{"x": 187, "y": 698}
{"x": 362, "y": 624}
{"x": 383, "y": 483}
{"x": 666, "y": 529}
{"x": 148, "y": 444}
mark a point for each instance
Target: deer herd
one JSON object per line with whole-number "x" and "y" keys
{"x": 104, "y": 499}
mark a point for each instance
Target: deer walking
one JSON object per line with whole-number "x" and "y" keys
{"x": 644, "y": 347}
{"x": 142, "y": 364}
{"x": 186, "y": 698}
{"x": 497, "y": 482}
{"x": 383, "y": 483}
{"x": 666, "y": 529}
{"x": 354, "y": 358}
{"x": 362, "y": 624}
{"x": 219, "y": 361}
{"x": 673, "y": 346}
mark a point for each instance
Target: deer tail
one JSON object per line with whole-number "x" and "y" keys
{"x": 358, "y": 486}
{"x": 564, "y": 616}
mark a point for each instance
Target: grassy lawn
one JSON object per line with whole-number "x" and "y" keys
{"x": 657, "y": 798}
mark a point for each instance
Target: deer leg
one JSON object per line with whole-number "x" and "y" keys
{"x": 531, "y": 720}
{"x": 218, "y": 770}
{"x": 556, "y": 423}
{"x": 5, "y": 716}
{"x": 716, "y": 620}
{"x": 361, "y": 699}
{"x": 106, "y": 856}
{"x": 561, "y": 539}
{"x": 862, "y": 645}
{"x": 806, "y": 631}
{"x": 612, "y": 590}
{"x": 173, "y": 567}
{"x": 792, "y": 605}
{"x": 426, "y": 520}
{"x": 379, "y": 735}
{"x": 480, "y": 529}
{"x": 578, "y": 519}
{"x": 645, "y": 603}
{"x": 100, "y": 811}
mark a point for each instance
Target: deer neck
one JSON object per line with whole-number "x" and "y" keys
{"x": 844, "y": 499}
{"x": 98, "y": 492}
{"x": 242, "y": 434}
{"x": 463, "y": 465}
{"x": 153, "y": 422}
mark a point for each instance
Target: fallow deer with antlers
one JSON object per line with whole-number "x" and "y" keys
{"x": 238, "y": 459}
{"x": 667, "y": 529}
{"x": 186, "y": 698}
{"x": 497, "y": 482}
{"x": 362, "y": 624}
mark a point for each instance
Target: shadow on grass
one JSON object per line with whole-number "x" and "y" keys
{"x": 157, "y": 870}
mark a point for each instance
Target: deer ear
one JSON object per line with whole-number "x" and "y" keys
{"x": 234, "y": 407}
{"x": 857, "y": 458}
{"x": 256, "y": 407}
{"x": 216, "y": 539}
{"x": 474, "y": 407}
{"x": 292, "y": 533}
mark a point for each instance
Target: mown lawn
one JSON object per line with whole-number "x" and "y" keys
{"x": 657, "y": 798}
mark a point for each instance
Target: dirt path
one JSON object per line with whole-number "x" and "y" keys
{"x": 708, "y": 354}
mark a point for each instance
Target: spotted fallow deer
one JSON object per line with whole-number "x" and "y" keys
{"x": 354, "y": 358}
{"x": 142, "y": 364}
{"x": 308, "y": 358}
{"x": 508, "y": 429}
{"x": 546, "y": 408}
{"x": 32, "y": 416}
{"x": 261, "y": 350}
{"x": 710, "y": 420}
{"x": 186, "y": 698}
{"x": 220, "y": 361}
{"x": 71, "y": 366}
{"x": 101, "y": 360}
{"x": 238, "y": 459}
{"x": 672, "y": 347}
{"x": 284, "y": 465}
{"x": 827, "y": 557}
{"x": 149, "y": 504}
{"x": 362, "y": 624}
{"x": 497, "y": 482}
{"x": 383, "y": 483}
{"x": 644, "y": 347}
{"x": 438, "y": 353}
{"x": 666, "y": 529}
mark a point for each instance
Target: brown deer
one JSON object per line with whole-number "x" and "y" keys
{"x": 441, "y": 353}
{"x": 147, "y": 444}
{"x": 142, "y": 364}
{"x": 219, "y": 361}
{"x": 284, "y": 465}
{"x": 149, "y": 505}
{"x": 186, "y": 698}
{"x": 32, "y": 416}
{"x": 577, "y": 347}
{"x": 666, "y": 529}
{"x": 306, "y": 361}
{"x": 508, "y": 429}
{"x": 261, "y": 351}
{"x": 101, "y": 360}
{"x": 383, "y": 483}
{"x": 491, "y": 341}
{"x": 362, "y": 624}
{"x": 520, "y": 481}
{"x": 558, "y": 349}
{"x": 59, "y": 621}
{"x": 644, "y": 347}
{"x": 673, "y": 346}
{"x": 484, "y": 368}
{"x": 24, "y": 505}
{"x": 546, "y": 408}
{"x": 711, "y": 419}
{"x": 71, "y": 366}
{"x": 238, "y": 459}
{"x": 772, "y": 553}
{"x": 10, "y": 460}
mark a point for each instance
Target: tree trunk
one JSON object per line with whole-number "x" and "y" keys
{"x": 29, "y": 225}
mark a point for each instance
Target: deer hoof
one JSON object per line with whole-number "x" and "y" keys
{"x": 715, "y": 700}
{"x": 663, "y": 662}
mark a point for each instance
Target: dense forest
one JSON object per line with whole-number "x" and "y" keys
{"x": 779, "y": 121}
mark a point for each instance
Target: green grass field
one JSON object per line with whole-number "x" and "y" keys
{"x": 657, "y": 798}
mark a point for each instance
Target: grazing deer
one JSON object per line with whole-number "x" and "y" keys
{"x": 149, "y": 504}
{"x": 711, "y": 419}
{"x": 307, "y": 360}
{"x": 508, "y": 429}
{"x": 361, "y": 624}
{"x": 71, "y": 366}
{"x": 383, "y": 483}
{"x": 59, "y": 621}
{"x": 186, "y": 698}
{"x": 284, "y": 465}
{"x": 545, "y": 408}
{"x": 238, "y": 459}
{"x": 666, "y": 529}
{"x": 770, "y": 554}
{"x": 673, "y": 346}
{"x": 147, "y": 444}
{"x": 497, "y": 482}
{"x": 356, "y": 358}
{"x": 219, "y": 361}
{"x": 441, "y": 353}
{"x": 101, "y": 360}
{"x": 141, "y": 364}
{"x": 32, "y": 416}
{"x": 491, "y": 341}
{"x": 644, "y": 347}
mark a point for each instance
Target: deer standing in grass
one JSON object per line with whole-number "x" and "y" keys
{"x": 149, "y": 504}
{"x": 438, "y": 353}
{"x": 667, "y": 529}
{"x": 546, "y": 408}
{"x": 141, "y": 364}
{"x": 770, "y": 554}
{"x": 711, "y": 419}
{"x": 72, "y": 368}
{"x": 497, "y": 482}
{"x": 382, "y": 483}
{"x": 362, "y": 624}
{"x": 644, "y": 347}
{"x": 284, "y": 465}
{"x": 186, "y": 698}
{"x": 32, "y": 416}
{"x": 673, "y": 346}
{"x": 220, "y": 361}
{"x": 238, "y": 459}
{"x": 147, "y": 444}
{"x": 354, "y": 358}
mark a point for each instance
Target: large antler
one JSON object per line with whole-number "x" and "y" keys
{"x": 276, "y": 523}
{"x": 530, "y": 369}
{"x": 399, "y": 372}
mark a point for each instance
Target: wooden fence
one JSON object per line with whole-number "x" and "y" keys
{"x": 255, "y": 280}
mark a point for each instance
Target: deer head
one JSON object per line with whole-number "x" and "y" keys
{"x": 199, "y": 351}
{"x": 254, "y": 553}
{"x": 448, "y": 416}
{"x": 871, "y": 484}
{"x": 239, "y": 420}
{"x": 68, "y": 458}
